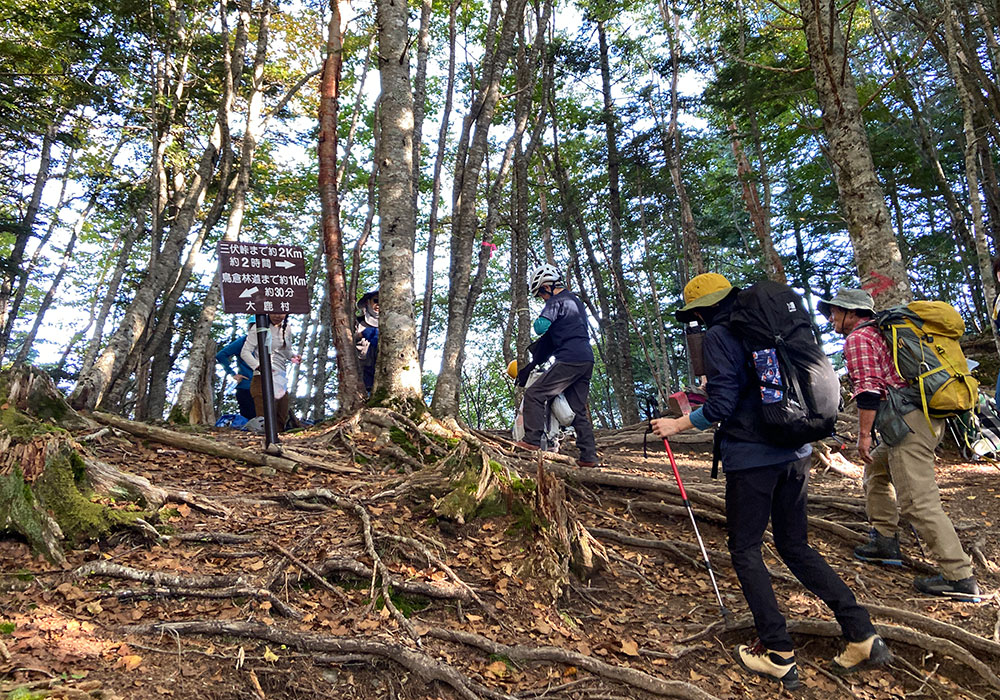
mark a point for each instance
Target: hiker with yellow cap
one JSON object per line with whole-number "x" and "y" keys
{"x": 764, "y": 481}
{"x": 899, "y": 477}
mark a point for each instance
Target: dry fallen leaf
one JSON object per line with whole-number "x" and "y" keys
{"x": 269, "y": 655}
{"x": 630, "y": 648}
{"x": 497, "y": 668}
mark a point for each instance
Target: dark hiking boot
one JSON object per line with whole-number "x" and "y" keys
{"x": 769, "y": 664}
{"x": 526, "y": 446}
{"x": 965, "y": 590}
{"x": 858, "y": 656}
{"x": 880, "y": 550}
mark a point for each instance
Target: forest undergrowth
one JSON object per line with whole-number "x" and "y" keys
{"x": 316, "y": 583}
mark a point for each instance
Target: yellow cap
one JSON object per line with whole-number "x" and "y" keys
{"x": 512, "y": 369}
{"x": 704, "y": 290}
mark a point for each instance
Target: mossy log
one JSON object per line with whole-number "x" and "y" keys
{"x": 46, "y": 493}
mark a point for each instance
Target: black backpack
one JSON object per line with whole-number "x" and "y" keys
{"x": 800, "y": 392}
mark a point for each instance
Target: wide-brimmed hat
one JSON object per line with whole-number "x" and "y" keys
{"x": 363, "y": 301}
{"x": 703, "y": 291}
{"x": 848, "y": 299}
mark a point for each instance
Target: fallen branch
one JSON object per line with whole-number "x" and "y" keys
{"x": 315, "y": 575}
{"x": 427, "y": 589}
{"x": 193, "y": 443}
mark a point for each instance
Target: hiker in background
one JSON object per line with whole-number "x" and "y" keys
{"x": 562, "y": 326}
{"x": 242, "y": 376}
{"x": 899, "y": 478}
{"x": 763, "y": 481}
{"x": 996, "y": 323}
{"x": 366, "y": 337}
{"x": 281, "y": 355}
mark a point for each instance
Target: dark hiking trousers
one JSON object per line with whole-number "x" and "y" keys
{"x": 778, "y": 492}
{"x": 245, "y": 401}
{"x": 572, "y": 380}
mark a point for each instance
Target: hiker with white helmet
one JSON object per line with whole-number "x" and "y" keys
{"x": 562, "y": 326}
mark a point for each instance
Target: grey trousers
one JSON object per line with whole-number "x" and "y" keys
{"x": 571, "y": 379}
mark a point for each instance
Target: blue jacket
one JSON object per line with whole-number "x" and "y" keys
{"x": 233, "y": 350}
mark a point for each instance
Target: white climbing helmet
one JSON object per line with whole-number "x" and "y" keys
{"x": 542, "y": 275}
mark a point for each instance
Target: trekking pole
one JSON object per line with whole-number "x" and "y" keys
{"x": 704, "y": 552}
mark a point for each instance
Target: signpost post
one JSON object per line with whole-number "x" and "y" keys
{"x": 260, "y": 279}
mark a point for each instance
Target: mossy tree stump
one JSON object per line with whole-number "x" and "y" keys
{"x": 45, "y": 493}
{"x": 463, "y": 479}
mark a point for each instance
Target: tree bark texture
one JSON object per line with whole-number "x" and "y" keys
{"x": 351, "y": 390}
{"x": 397, "y": 371}
{"x": 878, "y": 259}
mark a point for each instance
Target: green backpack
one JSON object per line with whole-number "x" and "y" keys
{"x": 923, "y": 340}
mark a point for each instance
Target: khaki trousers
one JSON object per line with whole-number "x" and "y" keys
{"x": 900, "y": 481}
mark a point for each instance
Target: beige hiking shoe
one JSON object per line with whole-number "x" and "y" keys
{"x": 861, "y": 655}
{"x": 769, "y": 664}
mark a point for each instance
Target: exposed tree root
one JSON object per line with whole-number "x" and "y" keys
{"x": 894, "y": 633}
{"x": 622, "y": 674}
{"x": 154, "y": 578}
{"x": 262, "y": 594}
{"x": 427, "y": 589}
{"x": 424, "y": 666}
{"x": 937, "y": 628}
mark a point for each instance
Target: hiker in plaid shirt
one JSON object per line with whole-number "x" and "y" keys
{"x": 899, "y": 478}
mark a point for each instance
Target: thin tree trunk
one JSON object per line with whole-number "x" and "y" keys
{"x": 879, "y": 261}
{"x": 10, "y": 268}
{"x": 464, "y": 219}
{"x": 397, "y": 370}
{"x": 759, "y": 216}
{"x": 971, "y": 157}
{"x": 695, "y": 264}
{"x": 442, "y": 142}
{"x": 22, "y": 353}
{"x": 619, "y": 322}
{"x": 351, "y": 390}
{"x": 111, "y": 293}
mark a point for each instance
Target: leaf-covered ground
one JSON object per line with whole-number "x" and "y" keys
{"x": 69, "y": 635}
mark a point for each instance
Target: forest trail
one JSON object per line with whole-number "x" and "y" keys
{"x": 649, "y": 627}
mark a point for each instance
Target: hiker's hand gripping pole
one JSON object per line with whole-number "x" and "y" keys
{"x": 694, "y": 524}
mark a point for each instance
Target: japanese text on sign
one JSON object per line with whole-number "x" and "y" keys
{"x": 259, "y": 278}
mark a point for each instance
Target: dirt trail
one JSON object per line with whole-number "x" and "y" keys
{"x": 67, "y": 634}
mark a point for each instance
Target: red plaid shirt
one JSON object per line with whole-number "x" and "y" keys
{"x": 869, "y": 363}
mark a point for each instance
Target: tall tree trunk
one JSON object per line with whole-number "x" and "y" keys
{"x": 695, "y": 263}
{"x": 10, "y": 268}
{"x": 619, "y": 322}
{"x": 351, "y": 390}
{"x": 397, "y": 370}
{"x": 442, "y": 142}
{"x": 464, "y": 218}
{"x": 190, "y": 403}
{"x": 879, "y": 262}
{"x": 319, "y": 368}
